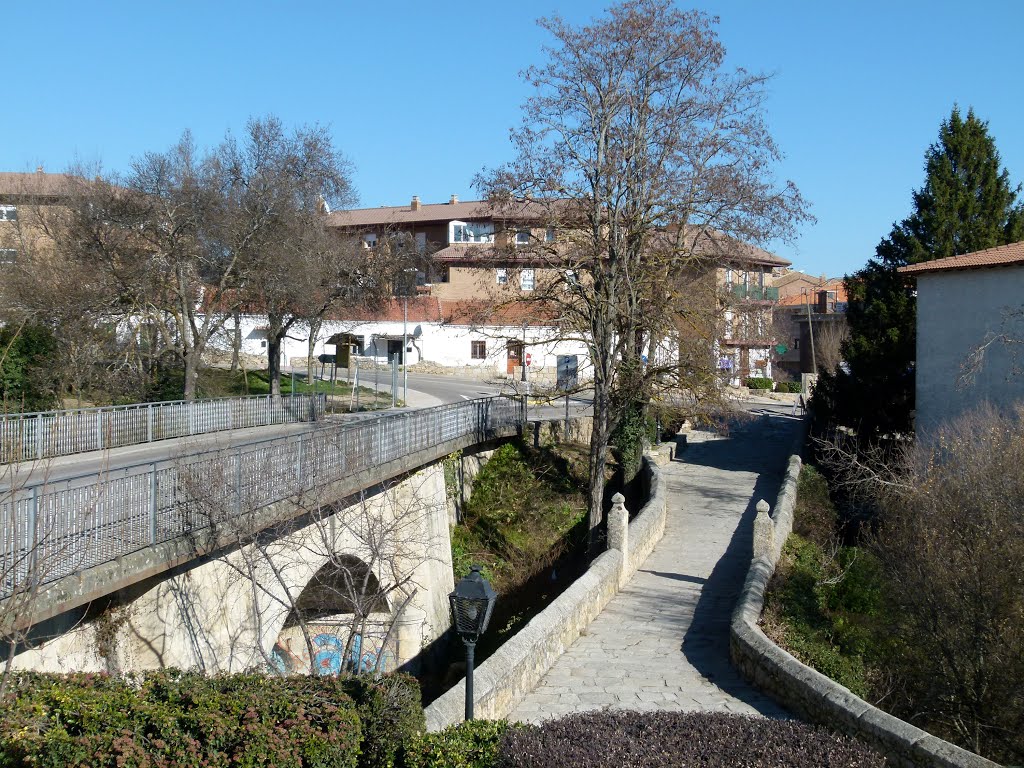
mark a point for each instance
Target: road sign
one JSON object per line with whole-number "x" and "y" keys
{"x": 566, "y": 372}
{"x": 528, "y": 358}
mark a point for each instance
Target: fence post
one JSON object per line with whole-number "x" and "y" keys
{"x": 298, "y": 463}
{"x": 764, "y": 530}
{"x": 618, "y": 534}
{"x": 238, "y": 482}
{"x": 152, "y": 503}
{"x": 39, "y": 436}
{"x": 149, "y": 422}
{"x": 99, "y": 430}
{"x": 33, "y": 517}
{"x": 380, "y": 442}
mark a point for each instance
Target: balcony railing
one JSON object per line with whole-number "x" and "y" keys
{"x": 755, "y": 293}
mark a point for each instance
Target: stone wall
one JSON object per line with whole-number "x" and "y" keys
{"x": 804, "y": 691}
{"x": 516, "y": 668}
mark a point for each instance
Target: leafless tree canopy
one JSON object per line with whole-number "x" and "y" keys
{"x": 951, "y": 541}
{"x": 646, "y": 156}
{"x": 187, "y": 239}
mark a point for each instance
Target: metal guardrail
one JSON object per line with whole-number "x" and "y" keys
{"x": 755, "y": 292}
{"x": 51, "y": 530}
{"x": 47, "y": 434}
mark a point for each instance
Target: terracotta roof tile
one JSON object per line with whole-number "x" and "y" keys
{"x": 36, "y": 184}
{"x": 991, "y": 257}
{"x": 428, "y": 212}
{"x": 421, "y": 309}
{"x": 487, "y": 313}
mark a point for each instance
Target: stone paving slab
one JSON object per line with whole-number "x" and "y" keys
{"x": 662, "y": 643}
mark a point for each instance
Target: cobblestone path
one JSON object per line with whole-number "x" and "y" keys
{"x": 662, "y": 643}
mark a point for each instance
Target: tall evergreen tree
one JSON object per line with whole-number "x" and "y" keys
{"x": 966, "y": 204}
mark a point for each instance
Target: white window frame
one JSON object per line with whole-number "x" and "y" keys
{"x": 8, "y": 255}
{"x": 522, "y": 237}
{"x": 474, "y": 345}
{"x": 370, "y": 240}
{"x": 501, "y": 276}
{"x": 8, "y": 213}
{"x": 485, "y": 235}
{"x": 527, "y": 279}
{"x": 549, "y": 236}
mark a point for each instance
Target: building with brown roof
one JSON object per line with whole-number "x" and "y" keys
{"x": 970, "y": 333}
{"x": 23, "y": 199}
{"x": 482, "y": 254}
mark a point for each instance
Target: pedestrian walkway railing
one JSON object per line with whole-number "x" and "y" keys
{"x": 53, "y": 529}
{"x": 47, "y": 434}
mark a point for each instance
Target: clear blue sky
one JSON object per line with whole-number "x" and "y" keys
{"x": 420, "y": 96}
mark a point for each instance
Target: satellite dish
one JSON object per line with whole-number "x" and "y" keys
{"x": 417, "y": 331}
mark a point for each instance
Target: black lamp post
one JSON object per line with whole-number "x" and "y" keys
{"x": 472, "y": 603}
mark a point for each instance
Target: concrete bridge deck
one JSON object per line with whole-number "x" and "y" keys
{"x": 663, "y": 642}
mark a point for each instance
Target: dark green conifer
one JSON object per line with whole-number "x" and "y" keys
{"x": 967, "y": 204}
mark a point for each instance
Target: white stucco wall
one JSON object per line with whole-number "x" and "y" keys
{"x": 956, "y": 311}
{"x": 447, "y": 345}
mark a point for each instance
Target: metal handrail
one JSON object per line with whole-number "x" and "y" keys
{"x": 48, "y": 434}
{"x": 53, "y": 529}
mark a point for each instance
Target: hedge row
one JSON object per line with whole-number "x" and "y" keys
{"x": 760, "y": 382}
{"x": 171, "y": 718}
{"x": 650, "y": 739}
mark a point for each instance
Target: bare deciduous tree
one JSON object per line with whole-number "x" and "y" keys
{"x": 646, "y": 156}
{"x": 952, "y": 544}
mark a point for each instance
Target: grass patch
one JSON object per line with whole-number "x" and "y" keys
{"x": 525, "y": 504}
{"x": 825, "y": 603}
{"x": 222, "y": 382}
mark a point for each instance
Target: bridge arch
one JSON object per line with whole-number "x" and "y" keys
{"x": 345, "y": 614}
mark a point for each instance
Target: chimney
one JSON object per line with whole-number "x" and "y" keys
{"x": 415, "y": 205}
{"x": 39, "y": 169}
{"x": 454, "y": 200}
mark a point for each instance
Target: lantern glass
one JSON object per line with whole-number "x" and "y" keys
{"x": 472, "y": 603}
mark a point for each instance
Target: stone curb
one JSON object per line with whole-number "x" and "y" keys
{"x": 805, "y": 691}
{"x": 516, "y": 668}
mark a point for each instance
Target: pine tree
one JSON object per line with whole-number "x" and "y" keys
{"x": 967, "y": 204}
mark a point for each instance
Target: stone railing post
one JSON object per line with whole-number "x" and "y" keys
{"x": 764, "y": 530}
{"x": 618, "y": 533}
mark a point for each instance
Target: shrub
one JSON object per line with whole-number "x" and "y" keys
{"x": 951, "y": 545}
{"x": 472, "y": 744}
{"x": 758, "y": 382}
{"x": 170, "y": 718}
{"x": 815, "y": 517}
{"x": 788, "y": 386}
{"x": 391, "y": 715}
{"x": 655, "y": 739}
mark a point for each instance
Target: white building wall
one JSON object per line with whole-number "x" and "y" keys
{"x": 956, "y": 310}
{"x": 429, "y": 342}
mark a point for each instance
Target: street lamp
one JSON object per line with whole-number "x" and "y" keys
{"x": 407, "y": 287}
{"x": 472, "y": 603}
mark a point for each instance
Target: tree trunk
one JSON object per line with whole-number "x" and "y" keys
{"x": 597, "y": 459}
{"x": 314, "y": 332}
{"x": 274, "y": 362}
{"x": 192, "y": 357}
{"x": 236, "y": 340}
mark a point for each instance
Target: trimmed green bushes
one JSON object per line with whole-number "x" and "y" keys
{"x": 173, "y": 718}
{"x": 391, "y": 715}
{"x": 178, "y": 719}
{"x": 759, "y": 382}
{"x": 472, "y": 744}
